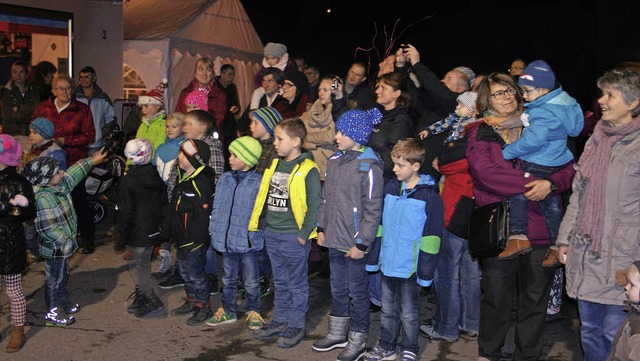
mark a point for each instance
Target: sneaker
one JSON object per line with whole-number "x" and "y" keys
{"x": 186, "y": 308}
{"x": 164, "y": 267}
{"x": 429, "y": 332}
{"x": 408, "y": 356}
{"x": 515, "y": 247}
{"x": 202, "y": 314}
{"x": 72, "y": 308}
{"x": 379, "y": 354}
{"x": 290, "y": 337}
{"x": 58, "y": 318}
{"x": 213, "y": 285}
{"x": 270, "y": 330}
{"x": 551, "y": 260}
{"x": 265, "y": 288}
{"x": 254, "y": 320}
{"x": 173, "y": 281}
{"x": 221, "y": 317}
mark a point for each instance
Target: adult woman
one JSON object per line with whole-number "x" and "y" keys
{"x": 600, "y": 231}
{"x": 495, "y": 179}
{"x": 74, "y": 131}
{"x": 295, "y": 92}
{"x": 216, "y": 97}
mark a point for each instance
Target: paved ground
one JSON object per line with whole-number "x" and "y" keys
{"x": 103, "y": 330}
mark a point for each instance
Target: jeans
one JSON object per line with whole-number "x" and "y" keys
{"x": 289, "y": 265}
{"x": 400, "y": 310}
{"x": 551, "y": 205}
{"x": 457, "y": 282}
{"x": 195, "y": 279}
{"x": 56, "y": 273}
{"x": 141, "y": 262}
{"x": 349, "y": 289}
{"x": 599, "y": 326}
{"x": 211, "y": 267}
{"x": 232, "y": 263}
{"x": 374, "y": 288}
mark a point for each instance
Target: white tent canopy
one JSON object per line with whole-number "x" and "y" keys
{"x": 163, "y": 40}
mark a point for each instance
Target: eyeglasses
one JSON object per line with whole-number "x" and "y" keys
{"x": 501, "y": 93}
{"x": 528, "y": 91}
{"x": 288, "y": 84}
{"x": 63, "y": 89}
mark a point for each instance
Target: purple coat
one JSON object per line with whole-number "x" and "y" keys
{"x": 496, "y": 179}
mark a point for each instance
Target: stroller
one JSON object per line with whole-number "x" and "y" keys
{"x": 102, "y": 179}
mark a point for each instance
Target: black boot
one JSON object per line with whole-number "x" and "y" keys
{"x": 151, "y": 304}
{"x": 137, "y": 301}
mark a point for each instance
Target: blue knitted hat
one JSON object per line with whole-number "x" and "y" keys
{"x": 358, "y": 124}
{"x": 44, "y": 127}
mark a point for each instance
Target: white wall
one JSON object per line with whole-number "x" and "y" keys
{"x": 90, "y": 19}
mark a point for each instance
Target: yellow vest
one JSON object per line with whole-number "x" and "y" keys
{"x": 297, "y": 193}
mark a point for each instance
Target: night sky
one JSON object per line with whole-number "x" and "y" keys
{"x": 579, "y": 39}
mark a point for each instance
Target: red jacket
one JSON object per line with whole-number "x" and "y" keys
{"x": 217, "y": 102}
{"x": 295, "y": 109}
{"x": 74, "y": 124}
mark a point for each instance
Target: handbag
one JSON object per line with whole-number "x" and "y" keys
{"x": 489, "y": 230}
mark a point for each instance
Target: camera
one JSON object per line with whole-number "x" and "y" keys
{"x": 334, "y": 85}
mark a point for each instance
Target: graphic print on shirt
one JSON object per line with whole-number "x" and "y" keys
{"x": 278, "y": 192}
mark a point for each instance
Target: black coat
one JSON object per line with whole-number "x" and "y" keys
{"x": 396, "y": 125}
{"x": 13, "y": 247}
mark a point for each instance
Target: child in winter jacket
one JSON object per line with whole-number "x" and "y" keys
{"x": 626, "y": 345}
{"x": 165, "y": 156}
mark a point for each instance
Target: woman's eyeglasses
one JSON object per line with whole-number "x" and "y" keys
{"x": 288, "y": 85}
{"x": 501, "y": 93}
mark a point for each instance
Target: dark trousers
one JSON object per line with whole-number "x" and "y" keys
{"x": 85, "y": 217}
{"x": 195, "y": 278}
{"x": 349, "y": 289}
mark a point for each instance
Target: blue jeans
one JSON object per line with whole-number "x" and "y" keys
{"x": 551, "y": 205}
{"x": 374, "y": 288}
{"x": 289, "y": 265}
{"x": 56, "y": 273}
{"x": 232, "y": 263}
{"x": 349, "y": 294}
{"x": 457, "y": 282}
{"x": 599, "y": 326}
{"x": 400, "y": 310}
{"x": 211, "y": 267}
{"x": 195, "y": 279}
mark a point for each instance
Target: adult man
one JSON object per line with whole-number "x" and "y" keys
{"x": 268, "y": 95}
{"x": 225, "y": 82}
{"x": 89, "y": 93}
{"x": 358, "y": 94}
{"x": 19, "y": 99}
{"x": 313, "y": 78}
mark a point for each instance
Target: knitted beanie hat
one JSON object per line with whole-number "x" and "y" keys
{"x": 358, "y": 124}
{"x": 269, "y": 117}
{"x": 154, "y": 96}
{"x": 40, "y": 170}
{"x": 275, "y": 49}
{"x": 248, "y": 149}
{"x": 139, "y": 150}
{"x": 299, "y": 80}
{"x": 44, "y": 127}
{"x": 10, "y": 151}
{"x": 538, "y": 74}
{"x": 196, "y": 151}
{"x": 198, "y": 98}
{"x": 468, "y": 99}
{"x": 469, "y": 74}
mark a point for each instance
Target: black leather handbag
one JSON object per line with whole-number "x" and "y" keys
{"x": 489, "y": 230}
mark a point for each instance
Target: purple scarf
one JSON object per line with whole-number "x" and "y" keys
{"x": 593, "y": 165}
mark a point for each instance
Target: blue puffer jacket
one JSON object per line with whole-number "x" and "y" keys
{"x": 232, "y": 207}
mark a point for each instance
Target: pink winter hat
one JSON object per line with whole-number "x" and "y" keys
{"x": 198, "y": 98}
{"x": 10, "y": 151}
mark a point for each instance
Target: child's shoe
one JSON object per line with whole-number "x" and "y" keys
{"x": 270, "y": 330}
{"x": 254, "y": 320}
{"x": 57, "y": 317}
{"x": 516, "y": 246}
{"x": 202, "y": 314}
{"x": 408, "y": 356}
{"x": 265, "y": 289}
{"x": 186, "y": 308}
{"x": 379, "y": 354}
{"x": 355, "y": 348}
{"x": 221, "y": 317}
{"x": 16, "y": 339}
{"x": 551, "y": 260}
{"x": 290, "y": 337}
{"x": 150, "y": 304}
{"x": 164, "y": 267}
{"x": 137, "y": 301}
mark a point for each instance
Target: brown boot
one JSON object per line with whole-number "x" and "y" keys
{"x": 16, "y": 339}
{"x": 551, "y": 260}
{"x": 515, "y": 247}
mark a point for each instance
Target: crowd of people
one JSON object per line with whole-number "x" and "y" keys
{"x": 376, "y": 179}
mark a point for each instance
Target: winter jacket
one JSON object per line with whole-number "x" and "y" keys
{"x": 626, "y": 345}
{"x": 48, "y": 149}
{"x": 411, "y": 231}
{"x": 552, "y": 117}
{"x": 321, "y": 134}
{"x": 13, "y": 247}
{"x": 74, "y": 124}
{"x": 395, "y": 125}
{"x": 496, "y": 179}
{"x": 141, "y": 198}
{"x": 361, "y": 97}
{"x": 588, "y": 278}
{"x": 153, "y": 129}
{"x": 295, "y": 108}
{"x": 216, "y": 100}
{"x": 232, "y": 207}
{"x": 17, "y": 109}
{"x": 101, "y": 109}
{"x": 190, "y": 210}
{"x": 351, "y": 204}
{"x": 165, "y": 156}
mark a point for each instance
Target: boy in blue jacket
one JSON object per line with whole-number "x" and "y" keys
{"x": 412, "y": 224}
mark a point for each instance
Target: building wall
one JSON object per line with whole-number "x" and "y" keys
{"x": 97, "y": 37}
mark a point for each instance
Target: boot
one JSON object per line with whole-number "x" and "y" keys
{"x": 337, "y": 337}
{"x": 137, "y": 301}
{"x": 355, "y": 348}
{"x": 515, "y": 247}
{"x": 551, "y": 260}
{"x": 16, "y": 339}
{"x": 164, "y": 267}
{"x": 151, "y": 304}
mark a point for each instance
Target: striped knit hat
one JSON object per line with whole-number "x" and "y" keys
{"x": 269, "y": 117}
{"x": 468, "y": 99}
{"x": 248, "y": 149}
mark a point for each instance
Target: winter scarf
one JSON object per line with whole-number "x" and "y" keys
{"x": 509, "y": 127}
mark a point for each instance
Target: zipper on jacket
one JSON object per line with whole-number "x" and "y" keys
{"x": 355, "y": 221}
